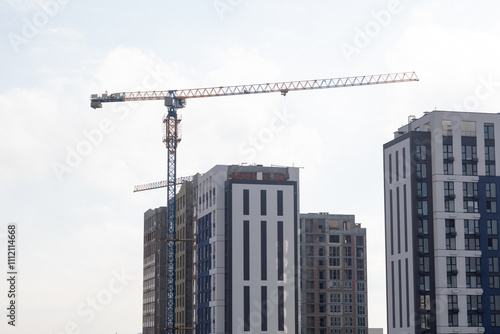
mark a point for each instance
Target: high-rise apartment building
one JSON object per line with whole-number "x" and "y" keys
{"x": 441, "y": 224}
{"x": 184, "y": 259}
{"x": 246, "y": 253}
{"x": 154, "y": 275}
{"x": 333, "y": 274}
{"x": 244, "y": 259}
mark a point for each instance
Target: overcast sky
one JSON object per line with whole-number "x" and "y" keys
{"x": 67, "y": 171}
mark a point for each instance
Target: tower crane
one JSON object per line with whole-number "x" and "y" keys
{"x": 176, "y": 99}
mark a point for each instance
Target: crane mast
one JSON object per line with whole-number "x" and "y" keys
{"x": 176, "y": 99}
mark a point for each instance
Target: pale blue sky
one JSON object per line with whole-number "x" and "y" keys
{"x": 80, "y": 225}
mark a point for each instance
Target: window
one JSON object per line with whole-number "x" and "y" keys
{"x": 493, "y": 243}
{"x": 420, "y": 152}
{"x": 470, "y": 189}
{"x": 280, "y": 202}
{"x": 489, "y": 153}
{"x": 449, "y": 189}
{"x": 471, "y": 206}
{"x": 451, "y": 265}
{"x": 424, "y": 264}
{"x": 490, "y": 170}
{"x": 474, "y": 307}
{"x": 449, "y": 226}
{"x": 447, "y": 151}
{"x": 495, "y": 303}
{"x": 348, "y": 274}
{"x": 468, "y": 128}
{"x": 423, "y": 226}
{"x": 489, "y": 131}
{"x": 491, "y": 206}
{"x": 361, "y": 309}
{"x": 334, "y": 274}
{"x": 474, "y": 303}
{"x": 471, "y": 226}
{"x": 450, "y": 234}
{"x": 449, "y": 205}
{"x": 493, "y": 264}
{"x": 334, "y": 238}
{"x": 472, "y": 244}
{"x": 491, "y": 190}
{"x": 492, "y": 226}
{"x": 473, "y": 264}
{"x": 469, "y": 152}
{"x": 423, "y": 245}
{"x": 421, "y": 171}
{"x": 452, "y": 310}
{"x": 448, "y": 168}
{"x": 422, "y": 189}
{"x": 246, "y": 202}
{"x": 469, "y": 169}
{"x": 494, "y": 282}
{"x": 422, "y": 209}
{"x": 446, "y": 127}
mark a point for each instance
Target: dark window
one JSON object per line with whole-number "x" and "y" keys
{"x": 263, "y": 298}
{"x": 263, "y": 203}
{"x": 280, "y": 251}
{"x": 404, "y": 163}
{"x": 246, "y": 202}
{"x": 280, "y": 202}
{"x": 397, "y": 165}
{"x": 246, "y": 250}
{"x": 334, "y": 238}
{"x": 263, "y": 250}
{"x": 246, "y": 308}
{"x": 281, "y": 309}
{"x": 390, "y": 168}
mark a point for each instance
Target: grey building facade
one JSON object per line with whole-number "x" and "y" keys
{"x": 154, "y": 274}
{"x": 333, "y": 275}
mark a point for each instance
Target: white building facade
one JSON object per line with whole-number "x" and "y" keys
{"x": 441, "y": 218}
{"x": 247, "y": 254}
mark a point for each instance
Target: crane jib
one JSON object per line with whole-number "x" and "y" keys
{"x": 281, "y": 87}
